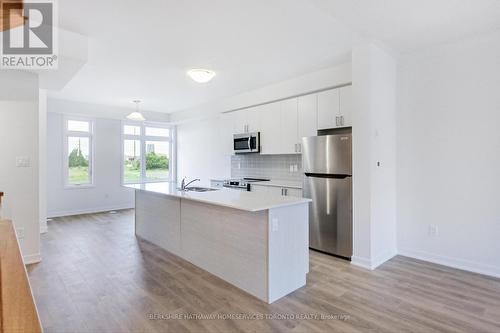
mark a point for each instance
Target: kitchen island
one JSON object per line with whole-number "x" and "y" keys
{"x": 256, "y": 242}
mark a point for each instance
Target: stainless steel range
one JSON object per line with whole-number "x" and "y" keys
{"x": 242, "y": 184}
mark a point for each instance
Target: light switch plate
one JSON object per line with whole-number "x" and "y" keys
{"x": 433, "y": 230}
{"x": 22, "y": 161}
{"x": 275, "y": 224}
{"x": 20, "y": 233}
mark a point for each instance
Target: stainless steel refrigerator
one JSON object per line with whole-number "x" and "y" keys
{"x": 327, "y": 164}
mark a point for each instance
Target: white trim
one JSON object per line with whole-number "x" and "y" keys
{"x": 372, "y": 264}
{"x": 92, "y": 210}
{"x": 361, "y": 262}
{"x": 382, "y": 258}
{"x": 78, "y": 187}
{"x": 143, "y": 138}
{"x": 43, "y": 228}
{"x": 466, "y": 265}
{"x": 32, "y": 258}
{"x": 90, "y": 136}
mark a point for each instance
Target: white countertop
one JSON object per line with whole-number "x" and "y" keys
{"x": 243, "y": 200}
{"x": 280, "y": 183}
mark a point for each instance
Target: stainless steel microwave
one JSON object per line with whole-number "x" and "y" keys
{"x": 246, "y": 143}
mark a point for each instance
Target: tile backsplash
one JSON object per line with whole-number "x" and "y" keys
{"x": 282, "y": 167}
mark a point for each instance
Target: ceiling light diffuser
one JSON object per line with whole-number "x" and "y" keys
{"x": 201, "y": 75}
{"x": 136, "y": 116}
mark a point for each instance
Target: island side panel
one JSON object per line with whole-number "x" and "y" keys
{"x": 157, "y": 220}
{"x": 229, "y": 243}
{"x": 288, "y": 249}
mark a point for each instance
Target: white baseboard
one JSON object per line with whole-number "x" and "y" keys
{"x": 361, "y": 262}
{"x": 372, "y": 264}
{"x": 32, "y": 258}
{"x": 465, "y": 265}
{"x": 88, "y": 210}
{"x": 383, "y": 257}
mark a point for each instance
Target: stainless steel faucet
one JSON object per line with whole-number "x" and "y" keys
{"x": 184, "y": 185}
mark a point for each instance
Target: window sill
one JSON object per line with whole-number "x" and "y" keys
{"x": 77, "y": 187}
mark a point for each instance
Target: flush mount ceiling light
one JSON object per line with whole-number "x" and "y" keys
{"x": 136, "y": 116}
{"x": 201, "y": 75}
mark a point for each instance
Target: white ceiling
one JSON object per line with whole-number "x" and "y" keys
{"x": 408, "y": 25}
{"x": 142, "y": 49}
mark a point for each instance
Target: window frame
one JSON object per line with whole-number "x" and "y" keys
{"x": 90, "y": 135}
{"x": 143, "y": 138}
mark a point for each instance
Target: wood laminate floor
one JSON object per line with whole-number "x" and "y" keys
{"x": 97, "y": 277}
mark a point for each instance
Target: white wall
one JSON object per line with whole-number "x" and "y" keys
{"x": 42, "y": 159}
{"x": 449, "y": 155}
{"x": 101, "y": 111}
{"x": 374, "y": 155}
{"x": 326, "y": 78}
{"x": 107, "y": 193}
{"x": 204, "y": 147}
{"x": 201, "y": 151}
{"x": 19, "y": 137}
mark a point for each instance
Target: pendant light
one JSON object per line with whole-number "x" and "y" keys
{"x": 136, "y": 116}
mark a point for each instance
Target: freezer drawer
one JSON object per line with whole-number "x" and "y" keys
{"x": 330, "y": 214}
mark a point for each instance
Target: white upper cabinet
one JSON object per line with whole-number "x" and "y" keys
{"x": 278, "y": 132}
{"x": 328, "y": 109}
{"x": 307, "y": 116}
{"x": 346, "y": 105}
{"x": 289, "y": 127}
{"x": 270, "y": 116}
{"x": 252, "y": 119}
{"x": 335, "y": 108}
{"x": 246, "y": 121}
{"x": 238, "y": 119}
{"x": 282, "y": 125}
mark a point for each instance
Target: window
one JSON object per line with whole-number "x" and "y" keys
{"x": 147, "y": 153}
{"x": 78, "y": 148}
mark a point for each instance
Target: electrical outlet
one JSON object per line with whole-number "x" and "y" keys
{"x": 433, "y": 230}
{"x": 20, "y": 233}
{"x": 275, "y": 224}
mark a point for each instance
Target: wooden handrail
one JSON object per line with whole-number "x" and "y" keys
{"x": 17, "y": 308}
{"x": 16, "y": 17}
